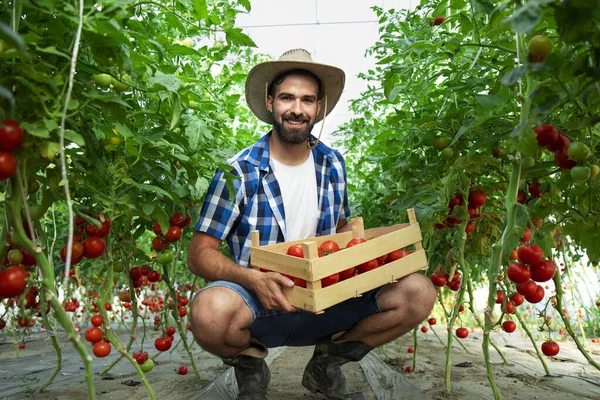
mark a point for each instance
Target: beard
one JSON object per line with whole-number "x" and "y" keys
{"x": 293, "y": 135}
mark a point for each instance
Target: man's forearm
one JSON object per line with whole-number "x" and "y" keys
{"x": 211, "y": 265}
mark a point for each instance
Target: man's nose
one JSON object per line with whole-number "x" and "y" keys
{"x": 296, "y": 108}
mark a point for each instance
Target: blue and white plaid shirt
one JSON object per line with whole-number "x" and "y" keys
{"x": 258, "y": 204}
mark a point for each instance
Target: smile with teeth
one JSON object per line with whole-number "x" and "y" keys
{"x": 295, "y": 121}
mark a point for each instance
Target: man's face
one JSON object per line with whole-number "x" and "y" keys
{"x": 294, "y": 107}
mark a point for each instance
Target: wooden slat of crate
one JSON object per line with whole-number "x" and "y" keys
{"x": 282, "y": 263}
{"x": 364, "y": 252}
{"x": 321, "y": 299}
{"x": 340, "y": 238}
{"x": 399, "y": 236}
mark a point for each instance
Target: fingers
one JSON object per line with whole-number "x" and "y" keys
{"x": 285, "y": 281}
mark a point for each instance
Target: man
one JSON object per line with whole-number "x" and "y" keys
{"x": 291, "y": 187}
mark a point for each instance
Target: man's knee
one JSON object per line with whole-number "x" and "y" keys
{"x": 415, "y": 294}
{"x": 214, "y": 313}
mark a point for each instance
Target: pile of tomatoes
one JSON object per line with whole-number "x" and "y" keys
{"x": 330, "y": 247}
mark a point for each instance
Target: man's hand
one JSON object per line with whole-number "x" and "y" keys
{"x": 267, "y": 286}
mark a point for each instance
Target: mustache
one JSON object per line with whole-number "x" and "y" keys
{"x": 289, "y": 117}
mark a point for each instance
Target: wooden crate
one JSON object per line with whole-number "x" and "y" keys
{"x": 312, "y": 268}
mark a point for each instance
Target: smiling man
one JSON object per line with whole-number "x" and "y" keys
{"x": 291, "y": 187}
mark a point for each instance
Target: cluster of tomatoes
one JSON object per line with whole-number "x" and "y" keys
{"x": 92, "y": 233}
{"x": 330, "y": 247}
{"x": 533, "y": 268}
{"x": 101, "y": 347}
{"x": 440, "y": 280}
{"x": 11, "y": 139}
{"x": 161, "y": 242}
{"x": 477, "y": 199}
{"x": 567, "y": 155}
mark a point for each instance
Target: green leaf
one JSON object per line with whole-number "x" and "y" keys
{"x": 5, "y": 93}
{"x": 153, "y": 189}
{"x": 246, "y": 5}
{"x": 196, "y": 131}
{"x": 74, "y": 137}
{"x": 123, "y": 130}
{"x": 200, "y": 9}
{"x": 162, "y": 217}
{"x": 514, "y": 76}
{"x": 236, "y": 37}
{"x": 488, "y": 101}
{"x": 176, "y": 104}
{"x": 525, "y": 19}
{"x": 148, "y": 207}
{"x": 36, "y": 129}
{"x": 170, "y": 82}
{"x": 12, "y": 39}
{"x": 52, "y": 50}
{"x": 483, "y": 6}
{"x": 50, "y": 124}
{"x": 199, "y": 189}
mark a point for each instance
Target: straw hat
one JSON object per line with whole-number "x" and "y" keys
{"x": 260, "y": 77}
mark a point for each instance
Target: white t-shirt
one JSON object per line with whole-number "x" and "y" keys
{"x": 298, "y": 186}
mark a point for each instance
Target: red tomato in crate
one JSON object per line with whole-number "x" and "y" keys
{"x": 398, "y": 254}
{"x": 299, "y": 282}
{"x": 368, "y": 266}
{"x": 330, "y": 280}
{"x": 347, "y": 273}
{"x": 354, "y": 242}
{"x": 329, "y": 247}
{"x": 295, "y": 251}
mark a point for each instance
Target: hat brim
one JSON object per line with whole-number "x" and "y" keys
{"x": 261, "y": 76}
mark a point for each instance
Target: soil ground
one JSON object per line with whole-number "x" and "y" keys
{"x": 380, "y": 375}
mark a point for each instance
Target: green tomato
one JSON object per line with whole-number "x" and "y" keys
{"x": 580, "y": 173}
{"x": 15, "y": 257}
{"x": 187, "y": 42}
{"x": 441, "y": 143}
{"x": 36, "y": 211}
{"x": 540, "y": 46}
{"x": 118, "y": 266}
{"x": 147, "y": 365}
{"x": 447, "y": 154}
{"x": 528, "y": 162}
{"x": 34, "y": 186}
{"x": 595, "y": 170}
{"x": 165, "y": 257}
{"x": 120, "y": 86}
{"x": 578, "y": 151}
{"x": 102, "y": 80}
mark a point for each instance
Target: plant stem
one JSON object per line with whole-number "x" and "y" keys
{"x": 537, "y": 350}
{"x": 175, "y": 313}
{"x": 568, "y": 327}
{"x": 14, "y": 201}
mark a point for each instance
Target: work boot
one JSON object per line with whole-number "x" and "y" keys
{"x": 251, "y": 372}
{"x": 323, "y": 373}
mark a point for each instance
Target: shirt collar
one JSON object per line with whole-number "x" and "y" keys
{"x": 259, "y": 152}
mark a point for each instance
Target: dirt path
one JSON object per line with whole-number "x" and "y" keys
{"x": 380, "y": 375}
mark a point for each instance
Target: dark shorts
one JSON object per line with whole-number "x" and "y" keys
{"x": 275, "y": 328}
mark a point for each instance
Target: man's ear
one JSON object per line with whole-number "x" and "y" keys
{"x": 319, "y": 103}
{"x": 270, "y": 103}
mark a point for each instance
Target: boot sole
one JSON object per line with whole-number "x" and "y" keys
{"x": 309, "y": 383}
